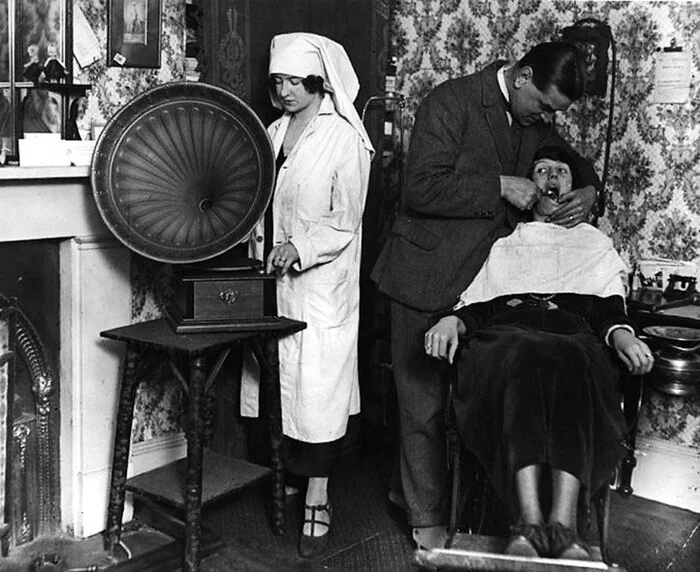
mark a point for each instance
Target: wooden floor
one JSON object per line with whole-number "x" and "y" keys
{"x": 368, "y": 534}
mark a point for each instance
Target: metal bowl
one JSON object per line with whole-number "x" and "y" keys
{"x": 676, "y": 368}
{"x": 183, "y": 172}
{"x": 678, "y": 337}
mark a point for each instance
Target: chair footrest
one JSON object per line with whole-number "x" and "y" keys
{"x": 477, "y": 552}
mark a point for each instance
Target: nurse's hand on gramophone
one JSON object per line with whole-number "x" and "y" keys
{"x": 442, "y": 340}
{"x": 281, "y": 257}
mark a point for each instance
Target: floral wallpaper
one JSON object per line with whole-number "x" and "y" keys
{"x": 112, "y": 87}
{"x": 159, "y": 399}
{"x": 653, "y": 198}
{"x": 653, "y": 203}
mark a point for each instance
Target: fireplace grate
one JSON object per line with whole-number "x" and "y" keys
{"x": 29, "y": 465}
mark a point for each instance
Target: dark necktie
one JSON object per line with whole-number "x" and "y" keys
{"x": 516, "y": 132}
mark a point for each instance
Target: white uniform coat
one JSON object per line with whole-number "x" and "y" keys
{"x": 317, "y": 206}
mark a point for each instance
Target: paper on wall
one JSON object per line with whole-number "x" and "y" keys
{"x": 86, "y": 47}
{"x": 672, "y": 78}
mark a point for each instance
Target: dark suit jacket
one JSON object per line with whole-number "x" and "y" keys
{"x": 452, "y": 211}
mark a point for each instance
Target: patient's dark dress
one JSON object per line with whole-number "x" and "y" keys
{"x": 537, "y": 385}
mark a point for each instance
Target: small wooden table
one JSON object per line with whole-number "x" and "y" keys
{"x": 157, "y": 335}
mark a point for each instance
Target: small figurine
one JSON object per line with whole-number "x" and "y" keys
{"x": 33, "y": 69}
{"x": 54, "y": 70}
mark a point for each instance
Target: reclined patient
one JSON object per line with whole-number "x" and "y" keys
{"x": 537, "y": 388}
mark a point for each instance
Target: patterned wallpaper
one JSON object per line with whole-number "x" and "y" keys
{"x": 159, "y": 399}
{"x": 653, "y": 204}
{"x": 112, "y": 87}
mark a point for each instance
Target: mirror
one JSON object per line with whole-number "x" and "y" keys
{"x": 35, "y": 68}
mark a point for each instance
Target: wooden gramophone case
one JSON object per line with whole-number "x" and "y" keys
{"x": 181, "y": 175}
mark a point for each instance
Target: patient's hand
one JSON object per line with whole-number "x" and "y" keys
{"x": 442, "y": 340}
{"x": 633, "y": 351}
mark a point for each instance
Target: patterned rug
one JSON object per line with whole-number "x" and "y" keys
{"x": 367, "y": 533}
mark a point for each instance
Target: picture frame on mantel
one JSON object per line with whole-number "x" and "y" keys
{"x": 134, "y": 33}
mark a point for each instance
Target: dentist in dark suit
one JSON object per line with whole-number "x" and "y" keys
{"x": 472, "y": 143}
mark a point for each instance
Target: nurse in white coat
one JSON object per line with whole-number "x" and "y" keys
{"x": 323, "y": 161}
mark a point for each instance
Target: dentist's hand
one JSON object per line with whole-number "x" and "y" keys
{"x": 576, "y": 206}
{"x": 520, "y": 192}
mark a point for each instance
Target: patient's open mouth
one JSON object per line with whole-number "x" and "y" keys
{"x": 551, "y": 191}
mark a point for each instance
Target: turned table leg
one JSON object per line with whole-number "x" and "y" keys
{"x": 193, "y": 496}
{"x": 122, "y": 445}
{"x": 267, "y": 354}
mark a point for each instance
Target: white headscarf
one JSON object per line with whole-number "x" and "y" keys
{"x": 301, "y": 54}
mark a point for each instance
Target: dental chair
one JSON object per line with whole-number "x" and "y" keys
{"x": 477, "y": 531}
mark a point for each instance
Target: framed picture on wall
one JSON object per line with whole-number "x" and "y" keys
{"x": 133, "y": 37}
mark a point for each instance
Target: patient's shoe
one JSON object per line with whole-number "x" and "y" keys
{"x": 529, "y": 540}
{"x": 564, "y": 543}
{"x": 429, "y": 537}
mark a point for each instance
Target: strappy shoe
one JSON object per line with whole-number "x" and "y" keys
{"x": 564, "y": 543}
{"x": 529, "y": 540}
{"x": 310, "y": 545}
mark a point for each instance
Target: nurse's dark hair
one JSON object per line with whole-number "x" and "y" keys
{"x": 312, "y": 84}
{"x": 556, "y": 154}
{"x": 558, "y": 64}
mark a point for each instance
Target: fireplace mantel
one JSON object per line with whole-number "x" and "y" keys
{"x": 47, "y": 202}
{"x": 56, "y": 203}
{"x": 14, "y": 173}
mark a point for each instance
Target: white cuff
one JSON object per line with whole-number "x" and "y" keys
{"x": 611, "y": 329}
{"x": 306, "y": 252}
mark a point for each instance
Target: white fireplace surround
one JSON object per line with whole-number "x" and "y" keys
{"x": 57, "y": 203}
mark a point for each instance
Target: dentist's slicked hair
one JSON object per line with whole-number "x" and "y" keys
{"x": 558, "y": 64}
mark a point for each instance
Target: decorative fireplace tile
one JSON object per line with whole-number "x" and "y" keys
{"x": 4, "y": 348}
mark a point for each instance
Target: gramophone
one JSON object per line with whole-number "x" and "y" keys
{"x": 181, "y": 175}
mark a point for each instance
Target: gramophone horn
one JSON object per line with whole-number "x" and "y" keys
{"x": 183, "y": 172}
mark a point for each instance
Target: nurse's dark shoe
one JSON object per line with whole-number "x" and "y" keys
{"x": 310, "y": 544}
